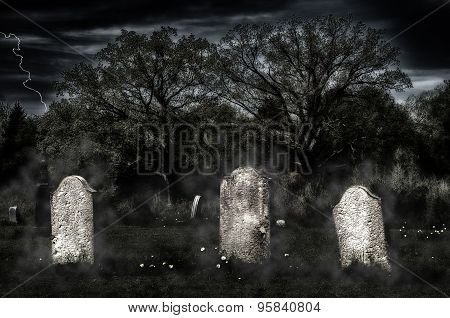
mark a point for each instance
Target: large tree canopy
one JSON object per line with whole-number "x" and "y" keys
{"x": 301, "y": 70}
{"x": 139, "y": 77}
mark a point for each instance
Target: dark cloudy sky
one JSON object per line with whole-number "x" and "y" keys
{"x": 88, "y": 25}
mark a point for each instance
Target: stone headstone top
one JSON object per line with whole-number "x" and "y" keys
{"x": 12, "y": 214}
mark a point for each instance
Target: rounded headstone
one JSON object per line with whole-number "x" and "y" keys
{"x": 194, "y": 207}
{"x": 360, "y": 230}
{"x": 12, "y": 214}
{"x": 244, "y": 216}
{"x": 72, "y": 222}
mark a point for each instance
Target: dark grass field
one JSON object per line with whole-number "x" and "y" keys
{"x": 168, "y": 261}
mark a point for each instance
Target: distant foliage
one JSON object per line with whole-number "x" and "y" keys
{"x": 409, "y": 194}
{"x": 18, "y": 139}
{"x": 430, "y": 112}
{"x": 332, "y": 73}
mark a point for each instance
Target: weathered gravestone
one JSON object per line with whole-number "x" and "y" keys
{"x": 194, "y": 207}
{"x": 244, "y": 216}
{"x": 360, "y": 230}
{"x": 72, "y": 222}
{"x": 12, "y": 214}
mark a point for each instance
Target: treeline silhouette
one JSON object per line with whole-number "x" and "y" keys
{"x": 332, "y": 73}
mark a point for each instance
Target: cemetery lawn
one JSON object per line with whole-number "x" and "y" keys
{"x": 182, "y": 260}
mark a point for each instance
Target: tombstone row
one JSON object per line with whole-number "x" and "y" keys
{"x": 244, "y": 221}
{"x": 245, "y": 226}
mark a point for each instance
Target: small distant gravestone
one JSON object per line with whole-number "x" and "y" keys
{"x": 360, "y": 230}
{"x": 244, "y": 216}
{"x": 12, "y": 214}
{"x": 72, "y": 222}
{"x": 194, "y": 207}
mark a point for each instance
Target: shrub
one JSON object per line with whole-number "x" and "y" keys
{"x": 406, "y": 193}
{"x": 418, "y": 198}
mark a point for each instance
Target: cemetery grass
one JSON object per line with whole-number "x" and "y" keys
{"x": 182, "y": 260}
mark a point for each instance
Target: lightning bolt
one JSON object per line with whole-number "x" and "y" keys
{"x": 24, "y": 83}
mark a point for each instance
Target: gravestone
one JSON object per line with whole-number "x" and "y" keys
{"x": 12, "y": 214}
{"x": 244, "y": 216}
{"x": 194, "y": 207}
{"x": 360, "y": 230}
{"x": 72, "y": 222}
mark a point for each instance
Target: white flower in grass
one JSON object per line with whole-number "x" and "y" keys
{"x": 170, "y": 266}
{"x": 142, "y": 265}
{"x": 202, "y": 249}
{"x": 223, "y": 258}
{"x": 218, "y": 265}
{"x": 286, "y": 255}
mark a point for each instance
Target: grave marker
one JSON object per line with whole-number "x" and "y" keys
{"x": 72, "y": 222}
{"x": 12, "y": 214}
{"x": 244, "y": 216}
{"x": 360, "y": 230}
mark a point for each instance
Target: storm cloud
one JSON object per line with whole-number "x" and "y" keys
{"x": 88, "y": 25}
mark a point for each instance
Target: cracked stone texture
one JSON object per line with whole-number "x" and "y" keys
{"x": 72, "y": 222}
{"x": 244, "y": 216}
{"x": 360, "y": 231}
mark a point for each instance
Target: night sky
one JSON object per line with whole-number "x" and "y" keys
{"x": 87, "y": 26}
